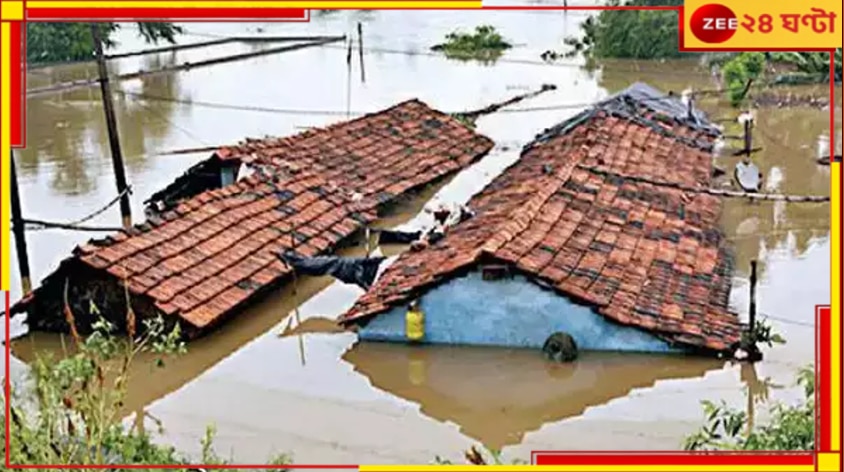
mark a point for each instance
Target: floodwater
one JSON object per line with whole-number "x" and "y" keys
{"x": 317, "y": 394}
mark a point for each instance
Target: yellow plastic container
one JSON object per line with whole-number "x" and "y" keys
{"x": 415, "y": 324}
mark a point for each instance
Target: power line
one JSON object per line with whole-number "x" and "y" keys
{"x": 504, "y": 60}
{"x": 37, "y": 225}
{"x": 344, "y": 113}
{"x": 791, "y": 322}
{"x": 173, "y": 124}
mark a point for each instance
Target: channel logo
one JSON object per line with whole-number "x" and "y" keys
{"x": 713, "y": 23}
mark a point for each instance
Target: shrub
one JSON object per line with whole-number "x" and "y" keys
{"x": 791, "y": 427}
{"x": 485, "y": 44}
{"x": 68, "y": 411}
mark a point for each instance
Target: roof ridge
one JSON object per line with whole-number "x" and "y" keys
{"x": 281, "y": 140}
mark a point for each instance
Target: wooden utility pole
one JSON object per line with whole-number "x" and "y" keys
{"x": 111, "y": 123}
{"x": 19, "y": 231}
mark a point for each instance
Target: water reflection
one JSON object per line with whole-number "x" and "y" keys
{"x": 66, "y": 131}
{"x": 496, "y": 395}
{"x": 147, "y": 383}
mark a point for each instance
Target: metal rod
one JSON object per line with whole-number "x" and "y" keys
{"x": 752, "y": 310}
{"x": 748, "y": 137}
{"x": 349, "y": 79}
{"x": 360, "y": 52}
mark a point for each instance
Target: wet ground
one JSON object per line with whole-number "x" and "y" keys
{"x": 319, "y": 395}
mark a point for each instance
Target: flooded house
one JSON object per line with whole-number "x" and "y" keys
{"x": 603, "y": 230}
{"x": 210, "y": 246}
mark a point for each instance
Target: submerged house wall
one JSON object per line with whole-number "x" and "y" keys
{"x": 512, "y": 312}
{"x": 90, "y": 295}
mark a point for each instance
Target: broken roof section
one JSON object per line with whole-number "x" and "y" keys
{"x": 644, "y": 255}
{"x": 211, "y": 253}
{"x": 379, "y": 155}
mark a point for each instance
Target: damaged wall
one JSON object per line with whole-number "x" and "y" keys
{"x": 91, "y": 294}
{"x": 511, "y": 312}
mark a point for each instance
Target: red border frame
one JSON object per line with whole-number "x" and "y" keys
{"x": 289, "y": 15}
{"x": 18, "y": 87}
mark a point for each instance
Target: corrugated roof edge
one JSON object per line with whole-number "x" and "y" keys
{"x": 643, "y": 95}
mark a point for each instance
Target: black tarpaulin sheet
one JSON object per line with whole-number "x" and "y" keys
{"x": 360, "y": 271}
{"x": 391, "y": 236}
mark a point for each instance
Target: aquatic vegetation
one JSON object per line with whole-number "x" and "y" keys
{"x": 790, "y": 428}
{"x": 632, "y": 34}
{"x": 485, "y": 45}
{"x": 69, "y": 409}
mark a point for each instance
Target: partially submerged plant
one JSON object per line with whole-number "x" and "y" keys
{"x": 791, "y": 427}
{"x": 762, "y": 333}
{"x": 474, "y": 456}
{"x": 69, "y": 411}
{"x": 485, "y": 45}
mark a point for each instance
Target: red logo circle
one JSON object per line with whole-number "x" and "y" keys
{"x": 713, "y": 23}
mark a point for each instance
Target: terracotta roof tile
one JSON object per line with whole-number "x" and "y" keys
{"x": 380, "y": 155}
{"x": 643, "y": 255}
{"x": 212, "y": 251}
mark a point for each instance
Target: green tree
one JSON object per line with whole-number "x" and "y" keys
{"x": 806, "y": 68}
{"x": 810, "y": 67}
{"x": 63, "y": 42}
{"x": 631, "y": 34}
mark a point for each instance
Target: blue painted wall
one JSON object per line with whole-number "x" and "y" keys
{"x": 510, "y": 312}
{"x": 228, "y": 176}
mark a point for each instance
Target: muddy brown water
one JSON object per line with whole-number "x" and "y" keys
{"x": 318, "y": 394}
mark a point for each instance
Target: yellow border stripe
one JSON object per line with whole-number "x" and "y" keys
{"x": 247, "y": 4}
{"x": 587, "y": 468}
{"x": 5, "y": 147}
{"x": 835, "y": 312}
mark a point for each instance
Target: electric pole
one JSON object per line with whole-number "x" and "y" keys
{"x": 111, "y": 124}
{"x": 19, "y": 230}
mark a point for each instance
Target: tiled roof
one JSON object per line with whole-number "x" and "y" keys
{"x": 380, "y": 155}
{"x": 213, "y": 251}
{"x": 644, "y": 255}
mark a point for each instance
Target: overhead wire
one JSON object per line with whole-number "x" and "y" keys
{"x": 300, "y": 111}
{"x": 504, "y": 60}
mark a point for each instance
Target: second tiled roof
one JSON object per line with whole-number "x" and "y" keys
{"x": 642, "y": 254}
